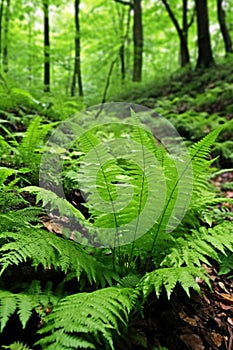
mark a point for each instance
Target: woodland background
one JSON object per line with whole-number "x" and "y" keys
{"x": 70, "y": 47}
{"x": 169, "y": 289}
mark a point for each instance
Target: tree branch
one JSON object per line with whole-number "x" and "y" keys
{"x": 192, "y": 18}
{"x": 126, "y": 3}
{"x": 172, "y": 16}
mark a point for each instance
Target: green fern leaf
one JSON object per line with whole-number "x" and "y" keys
{"x": 48, "y": 250}
{"x": 8, "y": 305}
{"x": 25, "y": 307}
{"x": 85, "y": 316}
{"x": 17, "y": 346}
{"x": 169, "y": 277}
{"x": 54, "y": 201}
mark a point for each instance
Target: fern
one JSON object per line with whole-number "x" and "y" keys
{"x": 28, "y": 151}
{"x": 175, "y": 207}
{"x": 225, "y": 264}
{"x": 17, "y": 346}
{"x": 45, "y": 249}
{"x": 87, "y": 319}
{"x": 10, "y": 303}
{"x": 168, "y": 278}
{"x": 197, "y": 247}
{"x": 32, "y": 298}
{"x": 54, "y": 201}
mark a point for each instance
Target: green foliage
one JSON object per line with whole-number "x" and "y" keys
{"x": 193, "y": 249}
{"x": 29, "y": 149}
{"x": 99, "y": 312}
{"x": 22, "y": 303}
{"x": 54, "y": 201}
{"x": 17, "y": 346}
{"x": 84, "y": 312}
{"x": 226, "y": 264}
{"x": 167, "y": 278}
{"x": 9, "y": 195}
{"x": 31, "y": 299}
{"x": 22, "y": 241}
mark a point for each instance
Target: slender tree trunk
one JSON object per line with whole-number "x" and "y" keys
{"x": 121, "y": 18}
{"x": 184, "y": 51}
{"x": 1, "y": 18}
{"x": 122, "y": 61}
{"x": 205, "y": 56}
{"x": 29, "y": 49}
{"x": 46, "y": 46}
{"x": 138, "y": 41}
{"x": 77, "y": 62}
{"x": 182, "y": 32}
{"x": 6, "y": 31}
{"x": 223, "y": 27}
{"x": 127, "y": 40}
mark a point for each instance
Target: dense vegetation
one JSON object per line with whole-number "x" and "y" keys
{"x": 108, "y": 210}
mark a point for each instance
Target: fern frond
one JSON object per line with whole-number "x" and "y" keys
{"x": 10, "y": 303}
{"x": 16, "y": 346}
{"x": 14, "y": 220}
{"x": 169, "y": 277}
{"x": 81, "y": 319}
{"x": 184, "y": 177}
{"x": 200, "y": 245}
{"x": 54, "y": 201}
{"x": 28, "y": 151}
{"x": 50, "y": 251}
{"x": 5, "y": 173}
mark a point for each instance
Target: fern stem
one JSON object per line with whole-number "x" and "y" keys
{"x": 140, "y": 203}
{"x": 116, "y": 236}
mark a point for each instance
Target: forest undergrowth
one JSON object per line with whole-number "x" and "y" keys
{"x": 140, "y": 275}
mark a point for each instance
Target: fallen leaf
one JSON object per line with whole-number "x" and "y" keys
{"x": 193, "y": 341}
{"x": 226, "y": 297}
{"x": 225, "y": 307}
{"x": 188, "y": 319}
{"x": 216, "y": 338}
{"x": 219, "y": 321}
{"x": 230, "y": 320}
{"x": 52, "y": 227}
{"x": 223, "y": 287}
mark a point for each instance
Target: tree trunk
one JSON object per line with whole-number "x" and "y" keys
{"x": 205, "y": 56}
{"x": 1, "y": 18}
{"x": 122, "y": 61}
{"x": 182, "y": 32}
{"x": 77, "y": 61}
{"x": 223, "y": 27}
{"x": 6, "y": 31}
{"x": 138, "y": 40}
{"x": 30, "y": 40}
{"x": 184, "y": 51}
{"x": 46, "y": 46}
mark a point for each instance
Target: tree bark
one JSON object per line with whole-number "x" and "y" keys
{"x": 138, "y": 41}
{"x": 1, "y": 18}
{"x": 205, "y": 56}
{"x": 6, "y": 31}
{"x": 122, "y": 61}
{"x": 125, "y": 38}
{"x": 77, "y": 62}
{"x": 182, "y": 32}
{"x": 184, "y": 51}
{"x": 46, "y": 46}
{"x": 223, "y": 27}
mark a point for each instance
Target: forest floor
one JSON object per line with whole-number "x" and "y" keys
{"x": 195, "y": 102}
{"x": 201, "y": 322}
